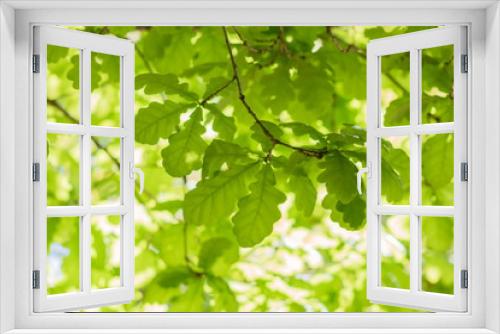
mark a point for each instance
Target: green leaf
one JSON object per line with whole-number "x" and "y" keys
{"x": 305, "y": 193}
{"x": 339, "y": 175}
{"x": 277, "y": 88}
{"x": 391, "y": 183}
{"x": 258, "y": 211}
{"x": 219, "y": 153}
{"x": 217, "y": 255}
{"x": 164, "y": 83}
{"x": 214, "y": 85}
{"x": 223, "y": 125}
{"x": 169, "y": 242}
{"x": 55, "y": 53}
{"x": 214, "y": 199}
{"x": 173, "y": 277}
{"x": 204, "y": 69}
{"x": 437, "y": 160}
{"x": 193, "y": 299}
{"x": 158, "y": 120}
{"x": 353, "y": 214}
{"x": 261, "y": 137}
{"x": 398, "y": 112}
{"x": 185, "y": 149}
{"x": 74, "y": 72}
{"x": 223, "y": 296}
{"x": 170, "y": 206}
{"x": 301, "y": 129}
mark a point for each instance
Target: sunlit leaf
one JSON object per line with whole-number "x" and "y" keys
{"x": 219, "y": 153}
{"x": 185, "y": 148}
{"x": 164, "y": 83}
{"x": 158, "y": 120}
{"x": 339, "y": 175}
{"x": 214, "y": 199}
{"x": 258, "y": 211}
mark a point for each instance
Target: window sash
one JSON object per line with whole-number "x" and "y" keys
{"x": 86, "y": 43}
{"x": 413, "y": 43}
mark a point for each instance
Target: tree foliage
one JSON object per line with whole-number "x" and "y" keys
{"x": 250, "y": 139}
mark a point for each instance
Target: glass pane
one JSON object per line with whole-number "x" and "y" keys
{"x": 437, "y": 254}
{"x": 105, "y": 98}
{"x": 106, "y": 252}
{"x": 437, "y": 169}
{"x": 395, "y": 88}
{"x": 63, "y": 84}
{"x": 63, "y": 255}
{"x": 437, "y": 84}
{"x": 63, "y": 169}
{"x": 395, "y": 170}
{"x": 395, "y": 252}
{"x": 105, "y": 170}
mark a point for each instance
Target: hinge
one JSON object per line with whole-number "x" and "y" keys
{"x": 36, "y": 279}
{"x": 465, "y": 64}
{"x": 36, "y": 63}
{"x": 36, "y": 172}
{"x": 464, "y": 171}
{"x": 464, "y": 279}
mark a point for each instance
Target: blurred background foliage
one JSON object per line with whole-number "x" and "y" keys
{"x": 250, "y": 139}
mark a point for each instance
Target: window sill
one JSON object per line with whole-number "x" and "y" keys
{"x": 254, "y": 331}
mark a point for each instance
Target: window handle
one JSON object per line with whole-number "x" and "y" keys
{"x": 365, "y": 170}
{"x": 135, "y": 170}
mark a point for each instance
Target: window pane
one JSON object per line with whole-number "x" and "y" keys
{"x": 395, "y": 170}
{"x": 105, "y": 98}
{"x": 395, "y": 87}
{"x": 395, "y": 251}
{"x": 63, "y": 171}
{"x": 63, "y": 255}
{"x": 106, "y": 252}
{"x": 63, "y": 84}
{"x": 437, "y": 169}
{"x": 105, "y": 170}
{"x": 437, "y": 84}
{"x": 437, "y": 254}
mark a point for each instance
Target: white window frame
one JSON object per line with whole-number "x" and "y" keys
{"x": 413, "y": 44}
{"x": 85, "y": 43}
{"x": 16, "y": 20}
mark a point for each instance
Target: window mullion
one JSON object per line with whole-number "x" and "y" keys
{"x": 85, "y": 255}
{"x": 414, "y": 170}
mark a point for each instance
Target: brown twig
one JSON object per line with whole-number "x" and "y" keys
{"x": 215, "y": 92}
{"x": 275, "y": 141}
{"x": 58, "y": 106}
{"x": 116, "y": 162}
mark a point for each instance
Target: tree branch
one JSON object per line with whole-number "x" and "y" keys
{"x": 217, "y": 91}
{"x": 58, "y": 106}
{"x": 275, "y": 141}
{"x": 62, "y": 110}
{"x": 344, "y": 49}
{"x": 252, "y": 48}
{"x": 143, "y": 58}
{"x": 360, "y": 52}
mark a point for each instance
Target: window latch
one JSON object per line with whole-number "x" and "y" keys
{"x": 134, "y": 170}
{"x": 365, "y": 170}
